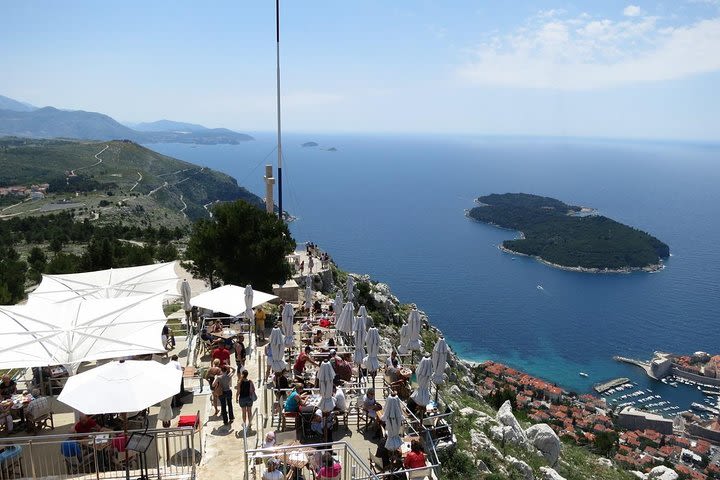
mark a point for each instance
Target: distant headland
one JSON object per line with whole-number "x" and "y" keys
{"x": 568, "y": 236}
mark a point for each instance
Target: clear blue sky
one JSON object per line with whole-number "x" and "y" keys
{"x": 580, "y": 68}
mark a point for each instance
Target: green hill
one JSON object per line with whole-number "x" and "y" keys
{"x": 129, "y": 180}
{"x": 555, "y": 233}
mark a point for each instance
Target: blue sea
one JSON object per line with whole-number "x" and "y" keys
{"x": 393, "y": 207}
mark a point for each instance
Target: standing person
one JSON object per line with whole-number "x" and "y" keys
{"x": 165, "y": 415}
{"x": 177, "y": 399}
{"x": 311, "y": 263}
{"x": 240, "y": 352}
{"x": 260, "y": 324}
{"x": 210, "y": 375}
{"x": 302, "y": 359}
{"x": 245, "y": 396}
{"x": 224, "y": 380}
{"x": 302, "y": 267}
{"x": 221, "y": 353}
{"x": 415, "y": 457}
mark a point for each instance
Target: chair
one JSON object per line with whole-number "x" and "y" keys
{"x": 35, "y": 425}
{"x": 118, "y": 459}
{"x": 420, "y": 474}
{"x": 76, "y": 466}
{"x": 289, "y": 417}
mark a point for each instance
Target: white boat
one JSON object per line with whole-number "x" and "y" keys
{"x": 583, "y": 374}
{"x": 540, "y": 287}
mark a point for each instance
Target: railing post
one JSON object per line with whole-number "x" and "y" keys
{"x": 32, "y": 459}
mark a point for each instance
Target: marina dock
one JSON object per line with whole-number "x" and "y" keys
{"x": 603, "y": 387}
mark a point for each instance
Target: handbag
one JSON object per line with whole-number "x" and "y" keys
{"x": 253, "y": 395}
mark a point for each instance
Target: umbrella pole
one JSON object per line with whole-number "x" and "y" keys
{"x": 127, "y": 463}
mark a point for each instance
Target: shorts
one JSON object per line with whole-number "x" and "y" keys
{"x": 245, "y": 401}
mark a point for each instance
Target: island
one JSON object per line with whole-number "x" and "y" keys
{"x": 332, "y": 149}
{"x": 568, "y": 236}
{"x": 310, "y": 144}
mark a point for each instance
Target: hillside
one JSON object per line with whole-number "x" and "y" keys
{"x": 7, "y": 103}
{"x": 123, "y": 179}
{"x": 49, "y": 122}
{"x": 553, "y": 232}
{"x": 168, "y": 125}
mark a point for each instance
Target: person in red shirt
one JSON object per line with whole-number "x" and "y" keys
{"x": 302, "y": 359}
{"x": 86, "y": 425}
{"x": 222, "y": 354}
{"x": 415, "y": 457}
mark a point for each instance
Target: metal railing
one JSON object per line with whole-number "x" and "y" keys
{"x": 308, "y": 456}
{"x": 173, "y": 454}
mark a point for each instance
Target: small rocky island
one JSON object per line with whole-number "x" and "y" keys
{"x": 568, "y": 236}
{"x": 310, "y": 144}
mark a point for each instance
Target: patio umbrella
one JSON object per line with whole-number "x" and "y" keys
{"x": 421, "y": 395}
{"x": 229, "y": 299}
{"x": 344, "y": 324}
{"x": 404, "y": 339}
{"x": 359, "y": 334}
{"x": 414, "y": 327}
{"x": 338, "y": 304}
{"x": 373, "y": 346}
{"x": 439, "y": 361}
{"x": 393, "y": 418}
{"x": 248, "y": 303}
{"x": 362, "y": 312}
{"x": 308, "y": 293}
{"x": 350, "y": 288}
{"x": 42, "y": 334}
{"x": 288, "y": 314}
{"x": 325, "y": 377}
{"x": 277, "y": 347}
{"x": 110, "y": 283}
{"x": 125, "y": 386}
{"x": 186, "y": 294}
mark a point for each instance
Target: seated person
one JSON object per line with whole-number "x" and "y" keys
{"x": 318, "y": 422}
{"x": 331, "y": 343}
{"x": 273, "y": 470}
{"x": 392, "y": 360}
{"x": 329, "y": 467}
{"x": 86, "y": 424}
{"x": 370, "y": 405}
{"x": 38, "y": 406}
{"x": 8, "y": 387}
{"x": 215, "y": 327}
{"x": 269, "y": 440}
{"x": 295, "y": 400}
{"x": 325, "y": 322}
{"x": 305, "y": 327}
{"x": 317, "y": 308}
{"x": 339, "y": 396}
{"x": 302, "y": 359}
{"x": 343, "y": 368}
{"x": 318, "y": 337}
{"x": 71, "y": 448}
{"x": 415, "y": 457}
{"x": 119, "y": 443}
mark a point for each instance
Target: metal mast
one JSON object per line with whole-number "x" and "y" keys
{"x": 279, "y": 136}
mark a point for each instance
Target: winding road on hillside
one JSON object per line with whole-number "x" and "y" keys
{"x": 99, "y": 161}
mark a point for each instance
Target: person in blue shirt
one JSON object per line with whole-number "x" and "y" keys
{"x": 71, "y": 448}
{"x": 295, "y": 399}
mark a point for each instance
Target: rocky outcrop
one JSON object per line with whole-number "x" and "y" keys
{"x": 542, "y": 437}
{"x": 550, "y": 474}
{"x": 521, "y": 467}
{"x": 605, "y": 462}
{"x": 509, "y": 429}
{"x": 480, "y": 442}
{"x": 662, "y": 473}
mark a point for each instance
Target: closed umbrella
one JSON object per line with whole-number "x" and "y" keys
{"x": 362, "y": 312}
{"x": 393, "y": 418}
{"x": 439, "y": 361}
{"x": 424, "y": 372}
{"x": 288, "y": 314}
{"x": 404, "y": 339}
{"x": 359, "y": 334}
{"x": 350, "y": 288}
{"x": 338, "y": 304}
{"x": 186, "y": 294}
{"x": 325, "y": 377}
{"x": 308, "y": 293}
{"x": 414, "y": 325}
{"x": 344, "y": 324}
{"x": 277, "y": 348}
{"x": 373, "y": 347}
{"x": 248, "y": 302}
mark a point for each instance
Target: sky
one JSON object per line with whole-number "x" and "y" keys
{"x": 596, "y": 68}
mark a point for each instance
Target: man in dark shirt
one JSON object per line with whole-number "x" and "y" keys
{"x": 8, "y": 387}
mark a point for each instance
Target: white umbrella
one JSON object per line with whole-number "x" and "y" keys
{"x": 373, "y": 347}
{"x": 277, "y": 347}
{"x": 42, "y": 333}
{"x": 111, "y": 283}
{"x": 404, "y": 339}
{"x": 414, "y": 327}
{"x": 186, "y": 295}
{"x": 439, "y": 360}
{"x": 421, "y": 395}
{"x": 344, "y": 323}
{"x": 393, "y": 418}
{"x": 121, "y": 387}
{"x": 359, "y": 334}
{"x": 325, "y": 377}
{"x": 248, "y": 302}
{"x": 288, "y": 315}
{"x": 338, "y": 304}
{"x": 229, "y": 299}
{"x": 350, "y": 288}
{"x": 308, "y": 293}
{"x": 362, "y": 312}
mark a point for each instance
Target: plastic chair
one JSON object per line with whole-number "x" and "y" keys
{"x": 420, "y": 474}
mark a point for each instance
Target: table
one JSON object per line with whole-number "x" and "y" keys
{"x": 407, "y": 441}
{"x": 227, "y": 333}
{"x": 313, "y": 401}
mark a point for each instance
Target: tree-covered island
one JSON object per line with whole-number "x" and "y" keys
{"x": 560, "y": 235}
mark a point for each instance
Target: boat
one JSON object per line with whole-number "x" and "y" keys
{"x": 583, "y": 374}
{"x": 540, "y": 287}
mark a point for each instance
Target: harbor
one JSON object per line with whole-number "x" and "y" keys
{"x": 611, "y": 384}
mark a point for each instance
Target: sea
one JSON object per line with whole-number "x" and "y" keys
{"x": 394, "y": 207}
